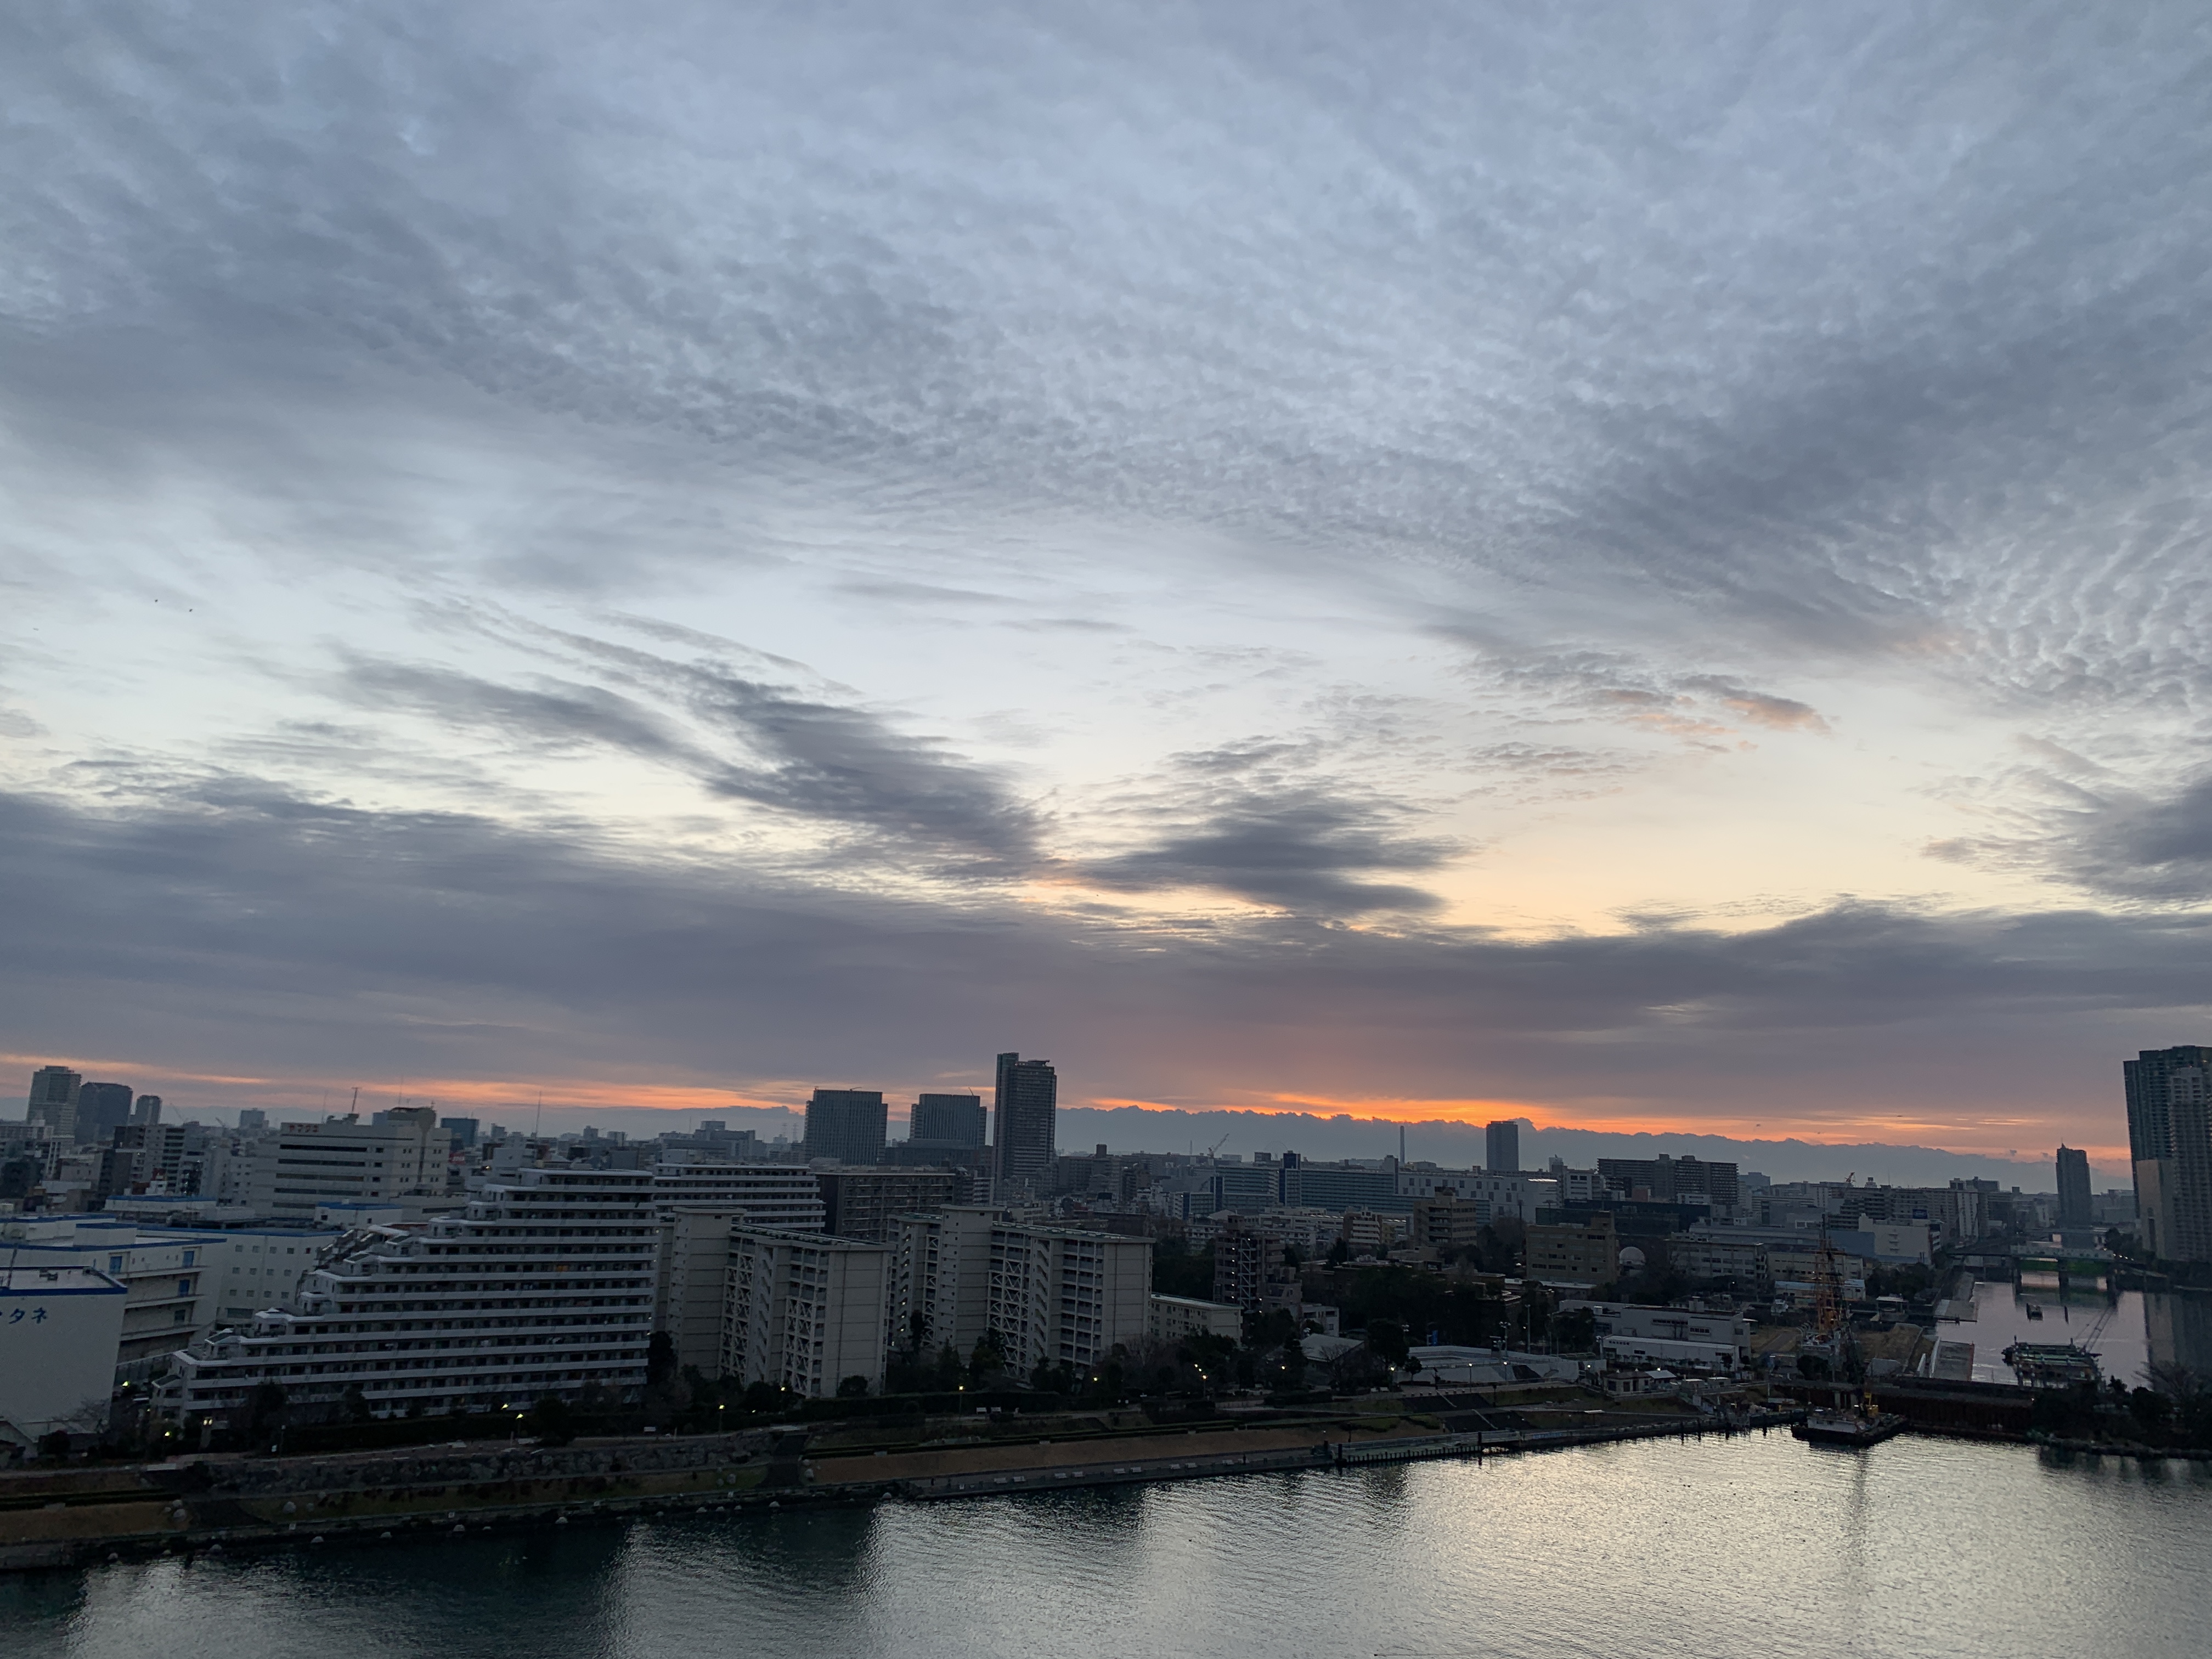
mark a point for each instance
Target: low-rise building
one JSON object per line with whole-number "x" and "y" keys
{"x": 166, "y": 1273}
{"x": 1574, "y": 1253}
{"x": 1172, "y": 1318}
{"x": 60, "y": 1324}
{"x": 1670, "y": 1336}
{"x": 805, "y": 1311}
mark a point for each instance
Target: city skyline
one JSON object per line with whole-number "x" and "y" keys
{"x": 1636, "y": 578}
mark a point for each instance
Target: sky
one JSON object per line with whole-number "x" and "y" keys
{"x": 1641, "y": 568}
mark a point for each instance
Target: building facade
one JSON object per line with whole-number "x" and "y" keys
{"x": 805, "y": 1311}
{"x": 847, "y": 1124}
{"x": 1667, "y": 1180}
{"x": 2169, "y": 1100}
{"x": 1501, "y": 1147}
{"x": 949, "y": 1121}
{"x": 864, "y": 1203}
{"x": 342, "y": 1160}
{"x": 543, "y": 1285}
{"x": 1574, "y": 1253}
{"x": 1066, "y": 1297}
{"x": 59, "y": 1328}
{"x": 1025, "y": 1113}
{"x": 1172, "y": 1318}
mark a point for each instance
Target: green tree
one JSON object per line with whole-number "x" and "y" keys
{"x": 1387, "y": 1337}
{"x": 264, "y": 1407}
{"x": 355, "y": 1404}
{"x": 853, "y": 1388}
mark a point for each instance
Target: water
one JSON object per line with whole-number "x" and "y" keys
{"x": 1762, "y": 1546}
{"x": 2127, "y": 1333}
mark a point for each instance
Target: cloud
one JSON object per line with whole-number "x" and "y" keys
{"x": 234, "y": 929}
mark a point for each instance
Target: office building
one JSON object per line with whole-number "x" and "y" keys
{"x": 543, "y": 1285}
{"x": 251, "y": 1120}
{"x": 2076, "y": 1203}
{"x": 343, "y": 1160}
{"x": 1501, "y": 1147}
{"x": 1677, "y": 1338}
{"x": 1339, "y": 1185}
{"x": 847, "y": 1125}
{"x": 1025, "y": 1121}
{"x": 462, "y": 1129}
{"x": 2169, "y": 1099}
{"x": 1665, "y": 1180}
{"x": 53, "y": 1100}
{"x": 948, "y": 1121}
{"x": 1495, "y": 1197}
{"x": 101, "y": 1109}
{"x": 147, "y": 1110}
{"x": 58, "y": 1332}
{"x": 805, "y": 1311}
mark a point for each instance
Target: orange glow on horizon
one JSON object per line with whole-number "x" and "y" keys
{"x": 1984, "y": 1137}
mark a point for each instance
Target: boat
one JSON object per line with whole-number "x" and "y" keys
{"x": 2052, "y": 1364}
{"x": 1847, "y": 1428}
{"x": 2034, "y": 1312}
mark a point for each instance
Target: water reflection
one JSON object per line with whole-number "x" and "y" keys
{"x": 1723, "y": 1550}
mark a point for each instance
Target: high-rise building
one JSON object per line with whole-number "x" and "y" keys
{"x": 861, "y": 1203}
{"x": 699, "y": 1204}
{"x": 1025, "y": 1120}
{"x": 147, "y": 1109}
{"x": 462, "y": 1129}
{"x": 2169, "y": 1096}
{"x": 2075, "y": 1202}
{"x": 1501, "y": 1147}
{"x": 543, "y": 1286}
{"x": 805, "y": 1311}
{"x": 846, "y": 1124}
{"x": 101, "y": 1109}
{"x": 251, "y": 1120}
{"x": 53, "y": 1099}
{"x": 948, "y": 1120}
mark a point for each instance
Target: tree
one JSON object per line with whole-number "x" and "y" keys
{"x": 551, "y": 1420}
{"x": 354, "y": 1403}
{"x": 1294, "y": 1362}
{"x": 988, "y": 1360}
{"x": 1387, "y": 1337}
{"x": 1574, "y": 1331}
{"x": 853, "y": 1388}
{"x": 1339, "y": 1254}
{"x": 264, "y": 1407}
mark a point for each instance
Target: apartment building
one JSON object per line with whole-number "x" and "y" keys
{"x": 805, "y": 1311}
{"x": 342, "y": 1160}
{"x": 542, "y": 1284}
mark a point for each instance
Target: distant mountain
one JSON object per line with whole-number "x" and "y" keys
{"x": 1137, "y": 1129}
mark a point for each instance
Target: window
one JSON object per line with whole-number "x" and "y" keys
{"x": 115, "y": 1264}
{"x": 191, "y": 1256}
{"x": 184, "y": 1288}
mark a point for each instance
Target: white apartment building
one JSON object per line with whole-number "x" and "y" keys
{"x": 59, "y": 1326}
{"x": 1067, "y": 1297}
{"x": 803, "y": 1311}
{"x": 255, "y": 1268}
{"x": 541, "y": 1286}
{"x": 941, "y": 1274}
{"x": 1048, "y": 1294}
{"x": 343, "y": 1160}
{"x": 1172, "y": 1318}
{"x": 698, "y": 1203}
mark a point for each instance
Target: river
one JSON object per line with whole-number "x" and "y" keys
{"x": 1759, "y": 1548}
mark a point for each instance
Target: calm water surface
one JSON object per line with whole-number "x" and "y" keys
{"x": 1762, "y": 1547}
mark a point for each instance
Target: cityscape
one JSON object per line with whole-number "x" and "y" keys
{"x": 1320, "y": 828}
{"x": 397, "y": 1279}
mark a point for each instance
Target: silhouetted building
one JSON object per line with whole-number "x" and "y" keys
{"x": 148, "y": 1110}
{"x": 252, "y": 1119}
{"x": 101, "y": 1109}
{"x": 1501, "y": 1148}
{"x": 846, "y": 1124}
{"x": 1665, "y": 1180}
{"x": 948, "y": 1120}
{"x": 53, "y": 1099}
{"x": 2169, "y": 1094}
{"x": 1024, "y": 1118}
{"x": 2075, "y": 1202}
{"x": 464, "y": 1129}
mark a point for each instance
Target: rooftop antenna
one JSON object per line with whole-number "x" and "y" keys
{"x": 1401, "y": 1143}
{"x": 537, "y": 1124}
